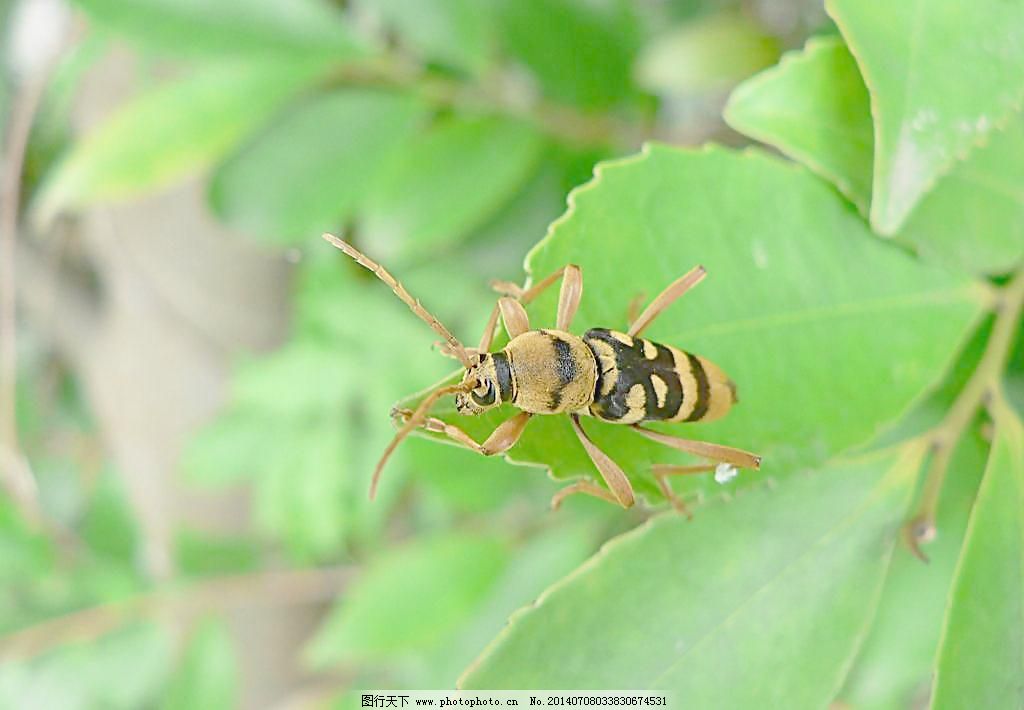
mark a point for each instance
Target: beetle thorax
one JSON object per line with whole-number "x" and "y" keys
{"x": 552, "y": 372}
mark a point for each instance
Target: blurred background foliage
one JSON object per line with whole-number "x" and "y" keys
{"x": 204, "y": 539}
{"x": 444, "y": 133}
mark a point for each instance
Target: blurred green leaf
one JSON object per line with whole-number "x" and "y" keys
{"x": 457, "y": 33}
{"x": 709, "y": 54}
{"x": 25, "y": 553}
{"x": 306, "y": 172}
{"x": 125, "y": 669}
{"x": 792, "y": 270}
{"x": 463, "y": 479}
{"x": 449, "y": 181}
{"x": 894, "y": 668}
{"x": 814, "y": 107}
{"x": 232, "y": 447}
{"x": 982, "y": 649}
{"x": 758, "y": 602}
{"x": 535, "y": 566}
{"x": 928, "y": 412}
{"x": 296, "y": 28}
{"x": 208, "y": 676}
{"x": 411, "y": 598}
{"x": 911, "y": 54}
{"x": 109, "y": 526}
{"x": 581, "y": 52}
{"x": 199, "y": 553}
{"x": 177, "y": 129}
{"x": 304, "y": 491}
{"x": 974, "y": 217}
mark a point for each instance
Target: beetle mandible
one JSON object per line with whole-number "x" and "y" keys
{"x": 613, "y": 376}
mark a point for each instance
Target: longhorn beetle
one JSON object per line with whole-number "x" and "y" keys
{"x": 616, "y": 377}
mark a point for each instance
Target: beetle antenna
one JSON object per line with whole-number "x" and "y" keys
{"x": 414, "y": 420}
{"x": 414, "y": 304}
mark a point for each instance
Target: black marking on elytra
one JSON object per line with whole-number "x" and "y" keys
{"x": 634, "y": 367}
{"x": 504, "y": 375}
{"x": 703, "y": 389}
{"x": 565, "y": 366}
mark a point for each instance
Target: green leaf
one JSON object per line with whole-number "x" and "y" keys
{"x": 942, "y": 76}
{"x": 981, "y": 658}
{"x": 303, "y": 495}
{"x": 173, "y": 131}
{"x": 974, "y": 217}
{"x": 123, "y": 670}
{"x": 208, "y": 676}
{"x": 581, "y": 52}
{"x": 108, "y": 525}
{"x": 257, "y": 27}
{"x": 759, "y": 602}
{"x": 894, "y": 668}
{"x": 709, "y": 54}
{"x": 309, "y": 170}
{"x": 411, "y": 598}
{"x": 800, "y": 302}
{"x": 448, "y": 182}
{"x": 538, "y": 564}
{"x": 813, "y": 107}
{"x": 201, "y": 553}
{"x": 458, "y": 33}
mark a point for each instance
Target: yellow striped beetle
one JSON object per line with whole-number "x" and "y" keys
{"x": 617, "y": 377}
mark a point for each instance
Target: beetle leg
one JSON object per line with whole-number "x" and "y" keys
{"x": 569, "y": 296}
{"x": 633, "y": 309}
{"x": 525, "y": 295}
{"x": 663, "y": 471}
{"x": 488, "y": 335}
{"x": 617, "y": 482}
{"x": 507, "y": 288}
{"x": 715, "y": 452}
{"x": 666, "y": 298}
{"x": 588, "y": 487}
{"x": 503, "y": 438}
{"x": 513, "y": 315}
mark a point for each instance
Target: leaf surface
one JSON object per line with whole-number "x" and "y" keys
{"x": 815, "y": 108}
{"x": 801, "y": 301}
{"x": 458, "y": 33}
{"x": 208, "y": 676}
{"x": 894, "y": 668}
{"x": 759, "y": 602}
{"x": 199, "y": 27}
{"x": 173, "y": 131}
{"x": 981, "y": 659}
{"x": 580, "y": 51}
{"x": 383, "y": 614}
{"x": 308, "y": 171}
{"x": 449, "y": 181}
{"x": 942, "y": 75}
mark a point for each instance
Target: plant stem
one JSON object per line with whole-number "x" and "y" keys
{"x": 274, "y": 588}
{"x": 979, "y": 388}
{"x": 567, "y": 123}
{"x": 15, "y": 474}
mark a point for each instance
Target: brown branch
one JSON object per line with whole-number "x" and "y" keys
{"x": 564, "y": 122}
{"x": 276, "y": 588}
{"x": 979, "y": 388}
{"x": 15, "y": 476}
